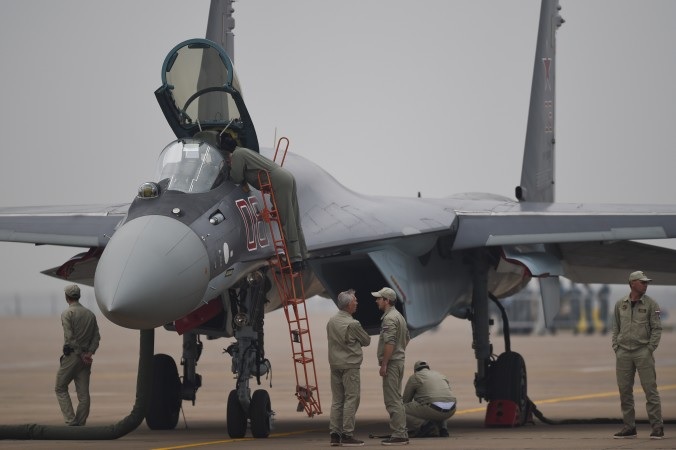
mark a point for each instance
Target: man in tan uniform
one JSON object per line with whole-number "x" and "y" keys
{"x": 428, "y": 401}
{"x": 392, "y": 344}
{"x": 80, "y": 341}
{"x": 637, "y": 330}
{"x": 345, "y": 337}
{"x": 244, "y": 167}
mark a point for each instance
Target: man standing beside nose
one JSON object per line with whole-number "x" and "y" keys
{"x": 80, "y": 341}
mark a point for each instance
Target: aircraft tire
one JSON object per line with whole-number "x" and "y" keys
{"x": 236, "y": 417}
{"x": 261, "y": 414}
{"x": 165, "y": 395}
{"x": 509, "y": 382}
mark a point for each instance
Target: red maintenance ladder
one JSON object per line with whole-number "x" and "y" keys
{"x": 292, "y": 294}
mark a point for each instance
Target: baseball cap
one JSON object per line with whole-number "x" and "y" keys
{"x": 72, "y": 291}
{"x": 385, "y": 292}
{"x": 420, "y": 365}
{"x": 638, "y": 275}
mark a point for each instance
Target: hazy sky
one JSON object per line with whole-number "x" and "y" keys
{"x": 392, "y": 97}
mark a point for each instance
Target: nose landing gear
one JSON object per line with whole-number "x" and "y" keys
{"x": 248, "y": 361}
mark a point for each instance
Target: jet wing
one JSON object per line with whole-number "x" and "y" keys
{"x": 593, "y": 240}
{"x": 552, "y": 223}
{"x": 74, "y": 226}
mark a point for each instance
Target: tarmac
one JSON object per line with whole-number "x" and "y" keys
{"x": 569, "y": 377}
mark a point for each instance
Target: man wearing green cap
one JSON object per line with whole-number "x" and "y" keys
{"x": 80, "y": 341}
{"x": 636, "y": 334}
{"x": 394, "y": 338}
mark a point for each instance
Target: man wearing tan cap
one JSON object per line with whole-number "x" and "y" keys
{"x": 636, "y": 333}
{"x": 80, "y": 341}
{"x": 392, "y": 344}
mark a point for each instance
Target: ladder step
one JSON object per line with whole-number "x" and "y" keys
{"x": 303, "y": 360}
{"x": 296, "y": 334}
{"x": 305, "y": 389}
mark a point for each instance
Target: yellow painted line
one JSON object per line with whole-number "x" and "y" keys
{"x": 668, "y": 387}
{"x": 228, "y": 441}
{"x": 461, "y": 412}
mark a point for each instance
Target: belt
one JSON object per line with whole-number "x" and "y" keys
{"x": 442, "y": 410}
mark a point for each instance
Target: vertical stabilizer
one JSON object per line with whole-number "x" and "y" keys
{"x": 219, "y": 30}
{"x": 537, "y": 172}
{"x": 220, "y": 26}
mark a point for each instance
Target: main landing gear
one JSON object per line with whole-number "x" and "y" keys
{"x": 501, "y": 381}
{"x": 168, "y": 391}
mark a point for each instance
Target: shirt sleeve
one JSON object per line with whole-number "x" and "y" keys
{"x": 389, "y": 331}
{"x": 357, "y": 332}
{"x": 655, "y": 326}
{"x": 67, "y": 323}
{"x": 616, "y": 325}
{"x": 94, "y": 344}
{"x": 237, "y": 167}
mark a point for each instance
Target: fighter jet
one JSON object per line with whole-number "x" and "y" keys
{"x": 196, "y": 254}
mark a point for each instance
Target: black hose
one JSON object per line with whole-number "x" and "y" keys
{"x": 598, "y": 420}
{"x": 103, "y": 432}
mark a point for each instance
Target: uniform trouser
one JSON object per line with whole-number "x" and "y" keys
{"x": 417, "y": 414}
{"x": 73, "y": 369}
{"x": 627, "y": 363}
{"x": 286, "y": 201}
{"x": 394, "y": 404}
{"x": 345, "y": 390}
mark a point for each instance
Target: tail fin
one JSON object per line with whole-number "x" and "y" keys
{"x": 220, "y": 26}
{"x": 537, "y": 172}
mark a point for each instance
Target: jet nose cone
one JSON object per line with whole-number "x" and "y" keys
{"x": 153, "y": 271}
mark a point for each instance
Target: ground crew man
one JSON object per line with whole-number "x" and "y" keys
{"x": 428, "y": 401}
{"x": 636, "y": 334}
{"x": 345, "y": 337}
{"x": 392, "y": 344}
{"x": 80, "y": 341}
{"x": 245, "y": 164}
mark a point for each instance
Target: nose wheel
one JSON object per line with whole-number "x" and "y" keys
{"x": 261, "y": 414}
{"x": 236, "y": 416}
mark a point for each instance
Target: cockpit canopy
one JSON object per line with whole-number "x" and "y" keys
{"x": 201, "y": 92}
{"x": 191, "y": 166}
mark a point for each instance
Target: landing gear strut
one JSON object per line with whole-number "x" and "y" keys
{"x": 248, "y": 360}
